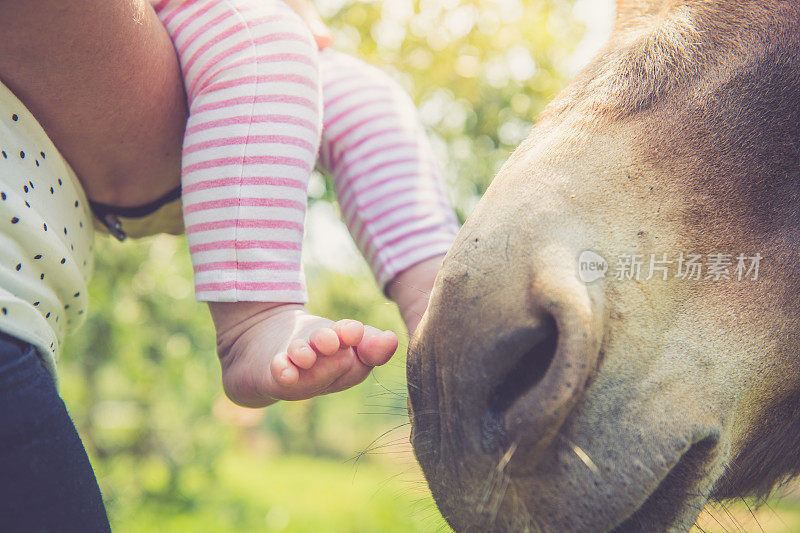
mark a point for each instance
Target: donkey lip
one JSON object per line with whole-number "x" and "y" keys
{"x": 666, "y": 504}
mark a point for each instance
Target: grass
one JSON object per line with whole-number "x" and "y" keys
{"x": 303, "y": 494}
{"x": 782, "y": 516}
{"x": 296, "y": 494}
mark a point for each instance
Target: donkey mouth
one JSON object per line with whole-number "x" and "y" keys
{"x": 668, "y": 505}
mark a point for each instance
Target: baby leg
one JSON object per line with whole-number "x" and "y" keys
{"x": 390, "y": 191}
{"x": 251, "y": 79}
{"x": 250, "y": 69}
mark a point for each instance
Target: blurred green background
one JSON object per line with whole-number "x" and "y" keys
{"x": 141, "y": 378}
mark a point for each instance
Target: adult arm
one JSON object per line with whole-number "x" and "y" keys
{"x": 102, "y": 78}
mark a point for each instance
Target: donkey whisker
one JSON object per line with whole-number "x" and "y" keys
{"x": 506, "y": 458}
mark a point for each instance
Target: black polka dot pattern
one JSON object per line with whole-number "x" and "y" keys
{"x": 38, "y": 191}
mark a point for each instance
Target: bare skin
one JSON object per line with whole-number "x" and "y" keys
{"x": 279, "y": 351}
{"x": 274, "y": 351}
{"x": 122, "y": 134}
{"x": 102, "y": 78}
{"x": 120, "y": 128}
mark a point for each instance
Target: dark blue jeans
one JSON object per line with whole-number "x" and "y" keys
{"x": 46, "y": 481}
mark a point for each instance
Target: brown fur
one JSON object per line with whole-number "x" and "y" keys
{"x": 683, "y": 134}
{"x": 661, "y": 53}
{"x": 726, "y": 78}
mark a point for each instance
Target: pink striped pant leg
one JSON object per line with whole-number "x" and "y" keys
{"x": 389, "y": 188}
{"x": 252, "y": 82}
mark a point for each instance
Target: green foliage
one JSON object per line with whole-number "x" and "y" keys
{"x": 142, "y": 382}
{"x": 301, "y": 494}
{"x": 479, "y": 71}
{"x": 141, "y": 378}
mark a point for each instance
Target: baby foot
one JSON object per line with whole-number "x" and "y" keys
{"x": 285, "y": 353}
{"x": 332, "y": 357}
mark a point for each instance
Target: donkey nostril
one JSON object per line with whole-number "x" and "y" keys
{"x": 528, "y": 371}
{"x": 528, "y": 354}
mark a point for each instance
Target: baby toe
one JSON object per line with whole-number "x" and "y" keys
{"x": 377, "y": 347}
{"x": 283, "y": 371}
{"x": 301, "y": 354}
{"x": 350, "y": 331}
{"x": 325, "y": 341}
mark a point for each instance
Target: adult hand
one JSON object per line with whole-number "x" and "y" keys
{"x": 309, "y": 14}
{"x": 103, "y": 80}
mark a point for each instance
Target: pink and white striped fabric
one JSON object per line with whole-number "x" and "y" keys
{"x": 253, "y": 76}
{"x": 389, "y": 189}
